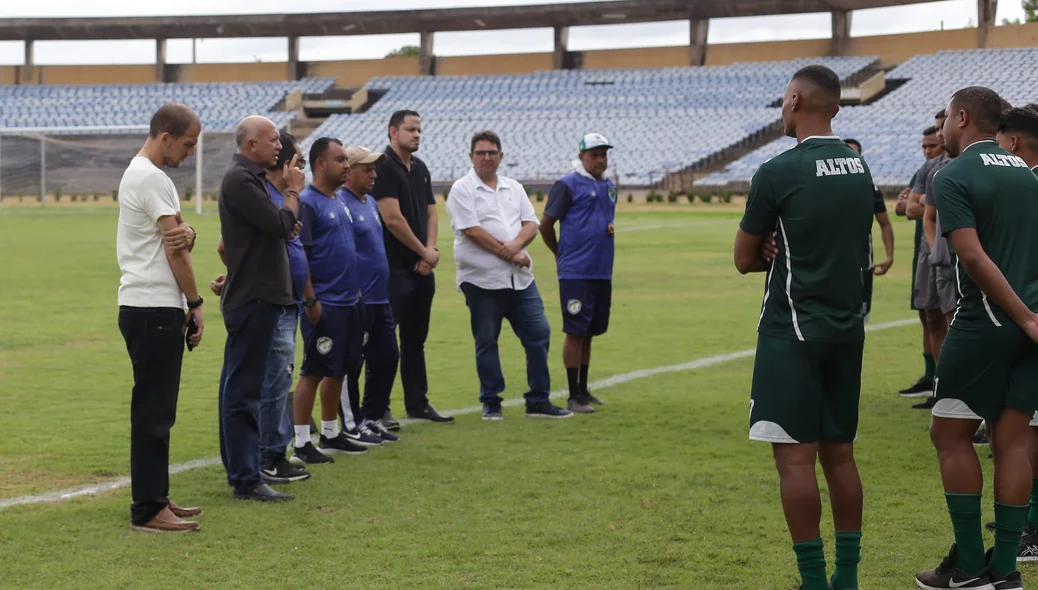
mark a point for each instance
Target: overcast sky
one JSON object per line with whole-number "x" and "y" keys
{"x": 949, "y": 14}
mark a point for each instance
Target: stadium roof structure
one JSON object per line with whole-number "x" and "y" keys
{"x": 428, "y": 22}
{"x": 414, "y": 21}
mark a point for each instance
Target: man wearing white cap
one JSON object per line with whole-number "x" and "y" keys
{"x": 381, "y": 351}
{"x": 584, "y": 202}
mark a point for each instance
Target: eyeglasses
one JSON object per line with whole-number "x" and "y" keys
{"x": 486, "y": 153}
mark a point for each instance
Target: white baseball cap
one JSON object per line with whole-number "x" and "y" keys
{"x": 592, "y": 141}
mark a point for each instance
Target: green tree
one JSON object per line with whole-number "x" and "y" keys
{"x": 1030, "y": 10}
{"x": 405, "y": 51}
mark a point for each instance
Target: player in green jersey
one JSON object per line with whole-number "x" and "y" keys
{"x": 987, "y": 200}
{"x": 816, "y": 202}
{"x": 1018, "y": 134}
{"x": 887, "y": 234}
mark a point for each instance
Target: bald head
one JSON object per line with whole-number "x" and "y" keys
{"x": 812, "y": 96}
{"x": 258, "y": 140}
{"x": 250, "y": 127}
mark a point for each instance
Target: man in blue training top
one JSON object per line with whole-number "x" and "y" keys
{"x": 381, "y": 351}
{"x": 584, "y": 202}
{"x": 275, "y": 414}
{"x": 333, "y": 334}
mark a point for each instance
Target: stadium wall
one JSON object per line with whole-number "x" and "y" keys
{"x": 522, "y": 63}
{"x": 135, "y": 74}
{"x": 891, "y": 49}
{"x": 251, "y": 72}
{"x": 355, "y": 73}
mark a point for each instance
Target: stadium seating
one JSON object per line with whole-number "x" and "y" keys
{"x": 890, "y": 129}
{"x": 659, "y": 119}
{"x": 219, "y": 105}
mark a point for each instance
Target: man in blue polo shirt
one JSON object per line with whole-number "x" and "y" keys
{"x": 381, "y": 352}
{"x": 584, "y": 202}
{"x": 333, "y": 332}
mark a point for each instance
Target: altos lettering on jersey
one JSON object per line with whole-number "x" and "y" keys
{"x": 992, "y": 191}
{"x": 822, "y": 222}
{"x": 1003, "y": 160}
{"x": 837, "y": 166}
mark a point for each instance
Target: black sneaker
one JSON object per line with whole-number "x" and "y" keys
{"x": 1028, "y": 547}
{"x": 281, "y": 471}
{"x": 381, "y": 431}
{"x": 389, "y": 422}
{"x": 927, "y": 405}
{"x": 990, "y": 526}
{"x": 547, "y": 410}
{"x": 492, "y": 413}
{"x": 309, "y": 455}
{"x": 1010, "y": 581}
{"x": 341, "y": 444}
{"x": 363, "y": 436}
{"x": 921, "y": 388}
{"x": 948, "y": 577}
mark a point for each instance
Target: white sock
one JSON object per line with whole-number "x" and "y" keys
{"x": 330, "y": 428}
{"x": 302, "y": 435}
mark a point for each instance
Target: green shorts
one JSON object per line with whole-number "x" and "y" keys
{"x": 804, "y": 392}
{"x": 981, "y": 371}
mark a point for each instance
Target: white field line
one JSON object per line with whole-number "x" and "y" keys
{"x": 597, "y": 385}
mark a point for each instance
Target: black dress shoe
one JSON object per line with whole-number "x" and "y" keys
{"x": 429, "y": 413}
{"x": 263, "y": 493}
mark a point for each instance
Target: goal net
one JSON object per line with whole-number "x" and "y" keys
{"x": 53, "y": 165}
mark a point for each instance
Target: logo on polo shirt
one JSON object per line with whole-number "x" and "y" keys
{"x": 573, "y": 306}
{"x": 612, "y": 194}
{"x": 324, "y": 345}
{"x": 365, "y": 342}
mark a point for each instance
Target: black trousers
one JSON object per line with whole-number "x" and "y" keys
{"x": 156, "y": 347}
{"x": 411, "y": 296}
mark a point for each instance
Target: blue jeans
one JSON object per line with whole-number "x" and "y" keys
{"x": 250, "y": 332}
{"x": 524, "y": 310}
{"x": 275, "y": 423}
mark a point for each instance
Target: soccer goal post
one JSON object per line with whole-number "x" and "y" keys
{"x": 66, "y": 164}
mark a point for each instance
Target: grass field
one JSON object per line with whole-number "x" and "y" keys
{"x": 660, "y": 489}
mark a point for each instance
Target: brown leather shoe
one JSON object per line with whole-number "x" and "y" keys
{"x": 192, "y": 512}
{"x": 166, "y": 522}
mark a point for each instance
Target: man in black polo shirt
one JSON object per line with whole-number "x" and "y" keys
{"x": 406, "y": 204}
{"x": 257, "y": 291}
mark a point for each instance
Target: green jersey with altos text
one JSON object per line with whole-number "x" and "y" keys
{"x": 817, "y": 200}
{"x": 994, "y": 192}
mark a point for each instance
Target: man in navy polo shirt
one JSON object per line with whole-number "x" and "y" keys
{"x": 332, "y": 332}
{"x": 381, "y": 352}
{"x": 584, "y": 202}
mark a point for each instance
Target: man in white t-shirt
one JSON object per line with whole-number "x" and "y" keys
{"x": 153, "y": 247}
{"x": 493, "y": 223}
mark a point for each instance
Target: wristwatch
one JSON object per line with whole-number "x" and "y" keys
{"x": 310, "y": 302}
{"x": 195, "y": 304}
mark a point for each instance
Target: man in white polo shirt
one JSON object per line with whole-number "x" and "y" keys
{"x": 153, "y": 248}
{"x": 493, "y": 222}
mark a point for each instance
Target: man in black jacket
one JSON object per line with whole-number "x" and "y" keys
{"x": 257, "y": 290}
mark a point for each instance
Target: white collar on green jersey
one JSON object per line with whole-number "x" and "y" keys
{"x": 979, "y": 142}
{"x": 820, "y": 137}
